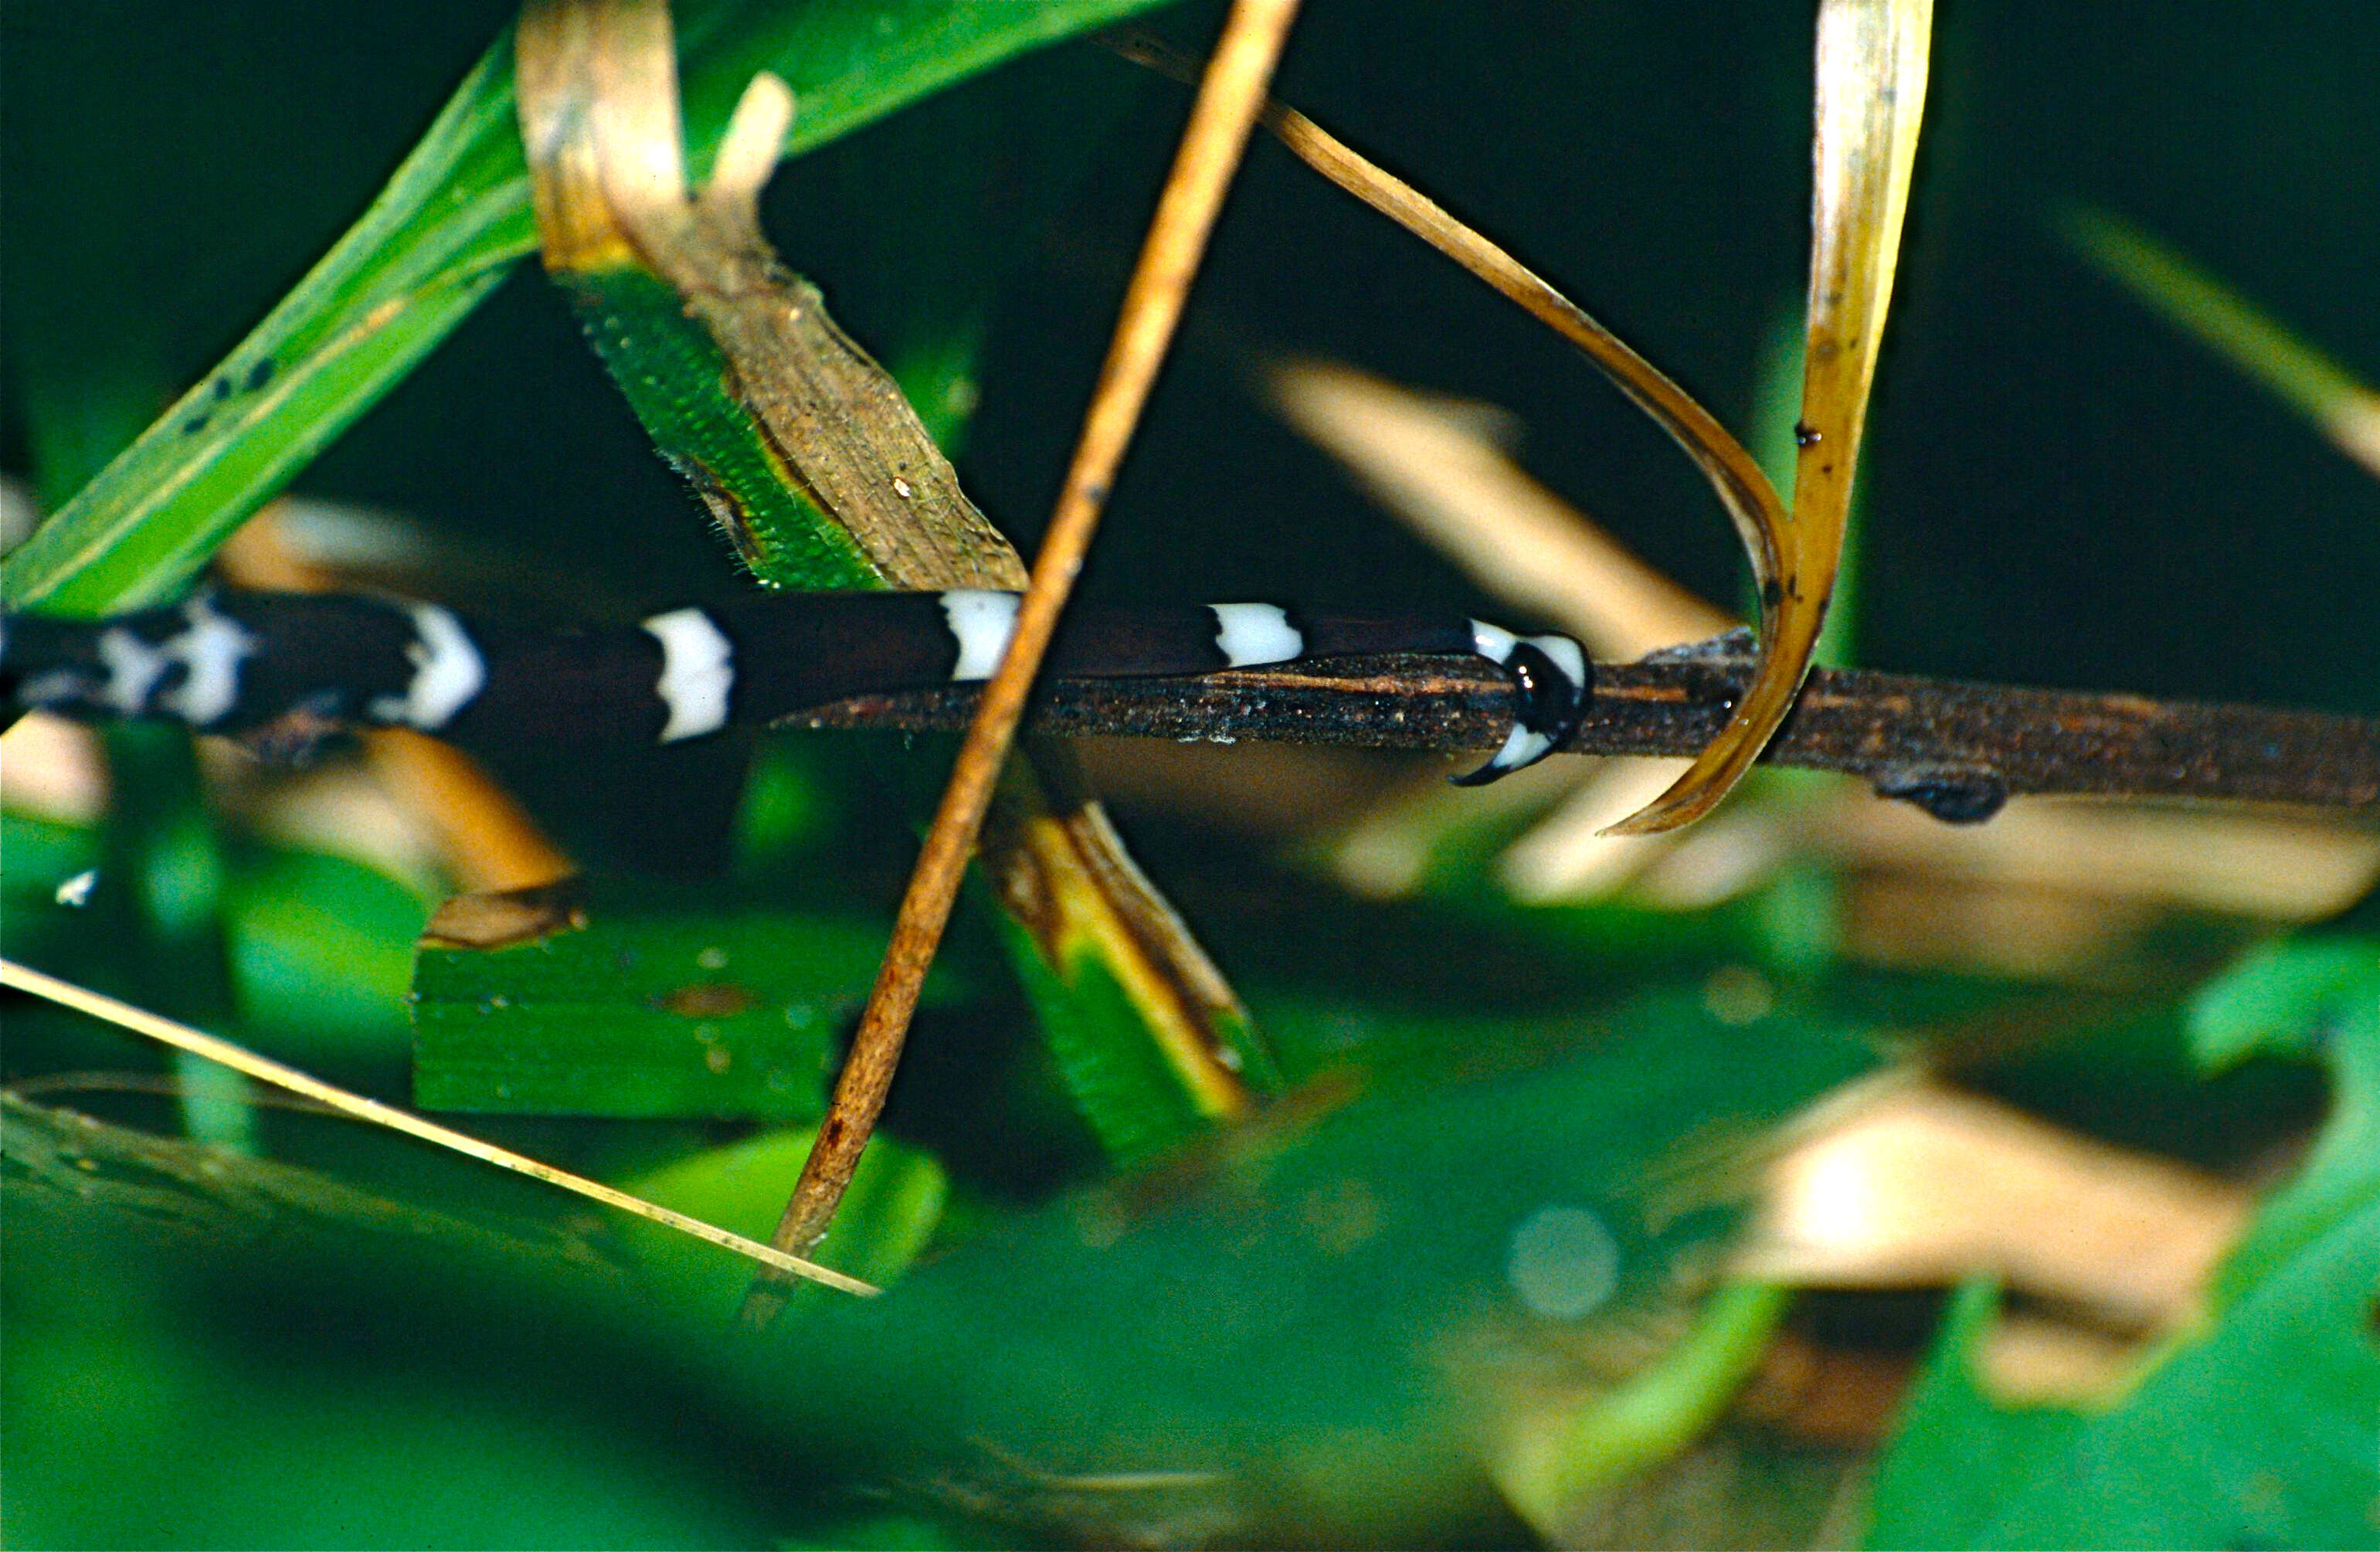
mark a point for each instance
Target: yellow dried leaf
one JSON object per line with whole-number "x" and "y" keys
{"x": 1871, "y": 96}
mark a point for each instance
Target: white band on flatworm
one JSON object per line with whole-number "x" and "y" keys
{"x": 1255, "y": 633}
{"x": 447, "y": 671}
{"x": 1497, "y": 644}
{"x": 1492, "y": 642}
{"x": 1526, "y": 744}
{"x": 1567, "y": 655}
{"x": 1522, "y": 746}
{"x": 698, "y": 669}
{"x": 132, "y": 669}
{"x": 212, "y": 650}
{"x": 981, "y": 622}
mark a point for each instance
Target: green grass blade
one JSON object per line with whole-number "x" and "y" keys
{"x": 430, "y": 246}
{"x": 449, "y": 225}
{"x": 2191, "y": 300}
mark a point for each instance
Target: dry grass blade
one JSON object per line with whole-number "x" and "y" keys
{"x": 1212, "y": 147}
{"x": 181, "y": 1036}
{"x": 1871, "y": 96}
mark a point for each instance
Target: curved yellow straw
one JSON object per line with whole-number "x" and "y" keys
{"x": 1871, "y": 95}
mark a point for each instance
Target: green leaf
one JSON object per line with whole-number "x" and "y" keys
{"x": 2256, "y": 1430}
{"x": 2258, "y": 1435}
{"x": 448, "y": 226}
{"x": 647, "y": 1011}
{"x": 2316, "y": 995}
{"x": 1334, "y": 1322}
{"x": 1955, "y": 1453}
{"x": 2277, "y": 1000}
{"x": 321, "y": 954}
{"x": 887, "y": 1215}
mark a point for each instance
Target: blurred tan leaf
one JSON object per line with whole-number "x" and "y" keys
{"x": 1438, "y": 464}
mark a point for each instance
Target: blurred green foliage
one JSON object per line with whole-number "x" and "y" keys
{"x": 2255, "y": 1429}
{"x": 1316, "y": 1331}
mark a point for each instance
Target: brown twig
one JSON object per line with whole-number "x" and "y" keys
{"x": 1889, "y": 727}
{"x": 1229, "y": 98}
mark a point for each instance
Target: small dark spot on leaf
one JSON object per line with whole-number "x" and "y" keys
{"x": 709, "y": 999}
{"x": 223, "y": 389}
{"x": 1772, "y": 593}
{"x": 195, "y": 424}
{"x": 258, "y": 375}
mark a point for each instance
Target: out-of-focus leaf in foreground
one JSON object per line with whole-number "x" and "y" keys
{"x": 1346, "y": 1323}
{"x": 449, "y": 225}
{"x": 2255, "y": 1430}
{"x": 2314, "y": 996}
{"x": 191, "y": 1362}
{"x": 1333, "y": 1325}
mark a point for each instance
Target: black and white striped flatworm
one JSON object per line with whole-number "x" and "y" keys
{"x": 233, "y": 662}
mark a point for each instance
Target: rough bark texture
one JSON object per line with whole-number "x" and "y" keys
{"x": 1896, "y": 730}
